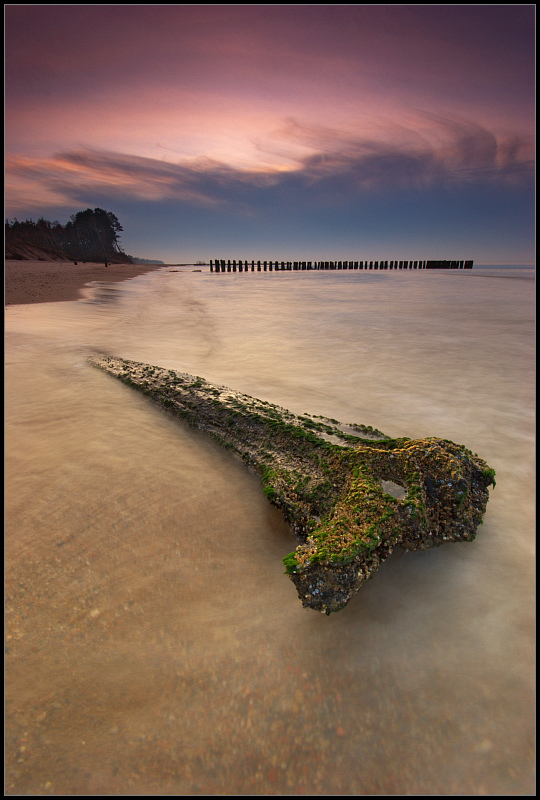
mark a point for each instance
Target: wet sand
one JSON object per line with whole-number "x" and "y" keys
{"x": 154, "y": 645}
{"x": 58, "y": 281}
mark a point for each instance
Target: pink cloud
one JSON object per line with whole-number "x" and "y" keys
{"x": 459, "y": 152}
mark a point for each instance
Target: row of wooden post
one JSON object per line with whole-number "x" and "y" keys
{"x": 220, "y": 265}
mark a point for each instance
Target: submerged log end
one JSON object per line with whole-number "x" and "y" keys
{"x": 328, "y": 588}
{"x": 445, "y": 500}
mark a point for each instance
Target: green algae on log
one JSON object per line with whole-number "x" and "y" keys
{"x": 349, "y": 492}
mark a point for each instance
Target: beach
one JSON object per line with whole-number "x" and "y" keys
{"x": 154, "y": 644}
{"x": 57, "y": 281}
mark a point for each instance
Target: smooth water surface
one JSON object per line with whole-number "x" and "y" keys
{"x": 154, "y": 645}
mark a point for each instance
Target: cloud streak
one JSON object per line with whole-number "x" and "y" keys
{"x": 339, "y": 167}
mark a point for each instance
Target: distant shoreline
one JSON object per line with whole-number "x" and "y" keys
{"x": 27, "y": 282}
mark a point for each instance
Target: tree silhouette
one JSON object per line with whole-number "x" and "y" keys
{"x": 91, "y": 235}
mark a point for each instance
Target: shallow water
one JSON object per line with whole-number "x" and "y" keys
{"x": 154, "y": 645}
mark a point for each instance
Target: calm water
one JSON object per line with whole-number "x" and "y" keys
{"x": 154, "y": 645}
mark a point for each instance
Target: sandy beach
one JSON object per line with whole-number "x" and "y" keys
{"x": 58, "y": 281}
{"x": 153, "y": 643}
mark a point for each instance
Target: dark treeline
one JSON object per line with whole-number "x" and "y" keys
{"x": 88, "y": 236}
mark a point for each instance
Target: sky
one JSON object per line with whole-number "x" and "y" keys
{"x": 285, "y": 132}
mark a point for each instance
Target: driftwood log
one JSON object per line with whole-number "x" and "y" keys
{"x": 350, "y": 493}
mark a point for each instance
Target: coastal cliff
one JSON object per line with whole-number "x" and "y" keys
{"x": 350, "y": 493}
{"x": 25, "y": 251}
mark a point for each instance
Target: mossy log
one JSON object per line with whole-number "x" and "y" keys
{"x": 350, "y": 493}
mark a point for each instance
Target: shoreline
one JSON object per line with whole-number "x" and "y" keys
{"x": 27, "y": 282}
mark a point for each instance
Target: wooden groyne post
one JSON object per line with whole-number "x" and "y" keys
{"x": 221, "y": 265}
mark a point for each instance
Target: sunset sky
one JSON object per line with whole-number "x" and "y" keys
{"x": 278, "y": 131}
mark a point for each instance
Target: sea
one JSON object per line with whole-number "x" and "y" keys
{"x": 154, "y": 644}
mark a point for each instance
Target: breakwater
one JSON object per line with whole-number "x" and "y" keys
{"x": 228, "y": 265}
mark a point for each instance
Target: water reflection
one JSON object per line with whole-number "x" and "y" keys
{"x": 101, "y": 293}
{"x": 154, "y": 644}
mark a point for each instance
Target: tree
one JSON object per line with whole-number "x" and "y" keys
{"x": 90, "y": 235}
{"x": 93, "y": 235}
